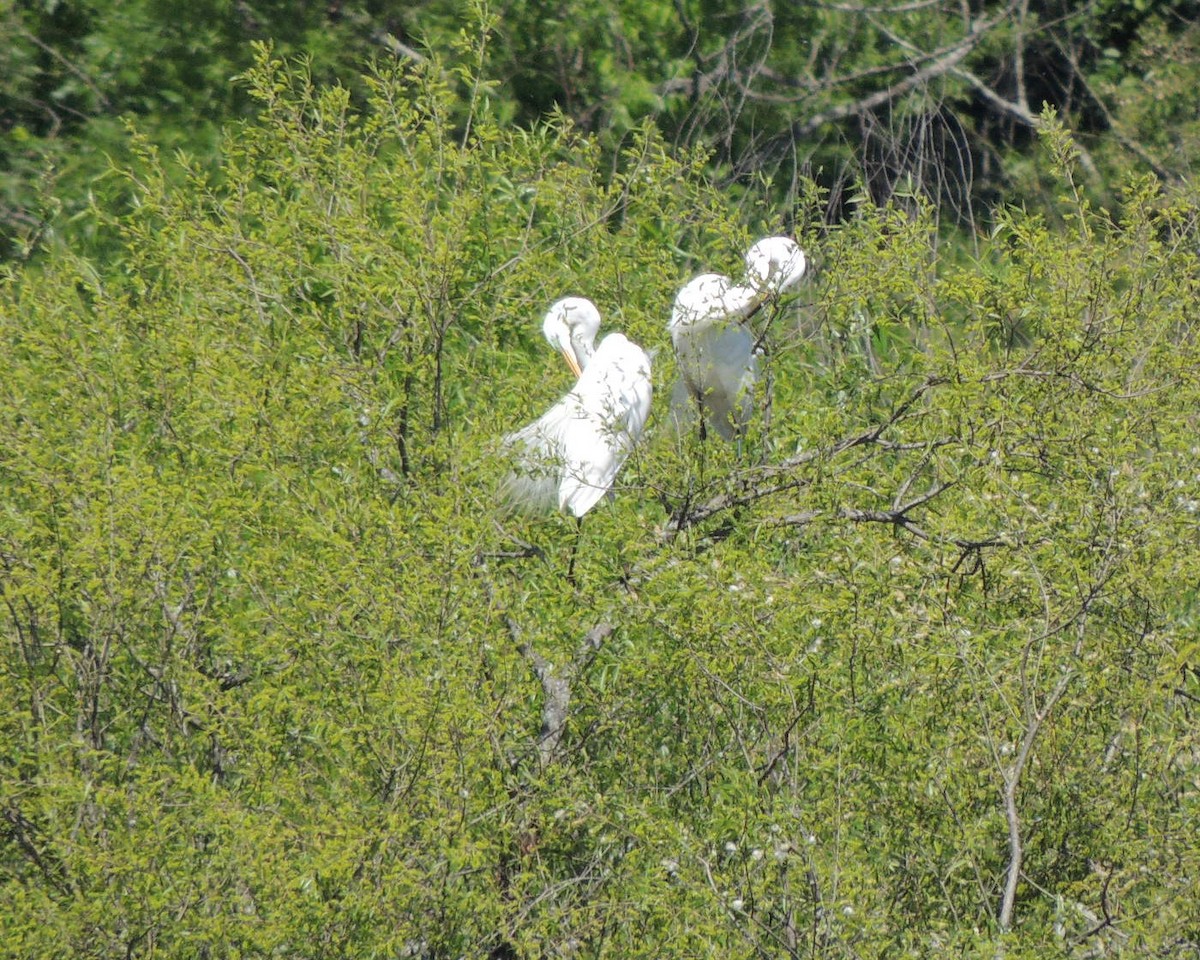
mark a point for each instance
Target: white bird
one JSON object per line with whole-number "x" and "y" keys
{"x": 568, "y": 458}
{"x": 776, "y": 263}
{"x": 714, "y": 350}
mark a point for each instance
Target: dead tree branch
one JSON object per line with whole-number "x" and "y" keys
{"x": 1012, "y": 780}
{"x": 939, "y": 63}
{"x": 765, "y": 481}
{"x": 556, "y": 683}
{"x": 1036, "y": 716}
{"x": 25, "y": 835}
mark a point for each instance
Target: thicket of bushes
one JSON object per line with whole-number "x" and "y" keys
{"x": 913, "y": 672}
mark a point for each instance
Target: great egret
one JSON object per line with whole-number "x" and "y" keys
{"x": 714, "y": 350}
{"x": 569, "y": 457}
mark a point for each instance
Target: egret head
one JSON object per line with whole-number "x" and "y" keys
{"x": 776, "y": 264}
{"x": 570, "y": 326}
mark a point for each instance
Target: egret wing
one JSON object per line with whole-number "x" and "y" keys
{"x": 539, "y": 459}
{"x": 718, "y": 365}
{"x": 570, "y": 455}
{"x": 711, "y": 298}
{"x": 614, "y": 403}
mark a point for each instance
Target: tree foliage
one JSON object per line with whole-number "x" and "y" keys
{"x": 914, "y": 670}
{"x": 935, "y": 98}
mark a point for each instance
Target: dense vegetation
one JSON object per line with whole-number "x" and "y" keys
{"x": 934, "y": 97}
{"x": 913, "y": 672}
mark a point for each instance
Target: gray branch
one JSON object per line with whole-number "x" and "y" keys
{"x": 943, "y": 63}
{"x": 1035, "y": 718}
{"x": 763, "y": 482}
{"x": 556, "y": 683}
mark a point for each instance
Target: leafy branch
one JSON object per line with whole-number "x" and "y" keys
{"x": 761, "y": 482}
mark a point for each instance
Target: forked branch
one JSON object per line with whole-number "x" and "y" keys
{"x": 556, "y": 683}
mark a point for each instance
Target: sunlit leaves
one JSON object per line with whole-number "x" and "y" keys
{"x": 277, "y": 660}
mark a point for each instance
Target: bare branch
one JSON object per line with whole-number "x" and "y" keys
{"x": 1012, "y": 779}
{"x": 1022, "y": 102}
{"x": 941, "y": 63}
{"x": 1071, "y": 377}
{"x": 86, "y": 80}
{"x": 768, "y": 480}
{"x": 909, "y": 7}
{"x": 556, "y": 683}
{"x": 897, "y": 515}
{"x": 1035, "y": 720}
{"x": 24, "y": 834}
{"x": 397, "y": 48}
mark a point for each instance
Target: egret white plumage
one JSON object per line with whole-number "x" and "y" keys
{"x": 569, "y": 457}
{"x": 776, "y": 263}
{"x": 570, "y": 326}
{"x": 714, "y": 350}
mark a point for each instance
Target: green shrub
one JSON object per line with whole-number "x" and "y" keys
{"x": 282, "y": 672}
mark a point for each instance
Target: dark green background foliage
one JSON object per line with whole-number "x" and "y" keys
{"x": 913, "y": 672}
{"x": 936, "y": 98}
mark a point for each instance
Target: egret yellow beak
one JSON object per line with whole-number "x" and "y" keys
{"x": 572, "y": 362}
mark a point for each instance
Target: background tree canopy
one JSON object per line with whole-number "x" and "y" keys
{"x": 913, "y": 671}
{"x": 934, "y": 97}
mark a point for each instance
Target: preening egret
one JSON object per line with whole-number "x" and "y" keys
{"x": 714, "y": 350}
{"x": 571, "y": 326}
{"x": 569, "y": 457}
